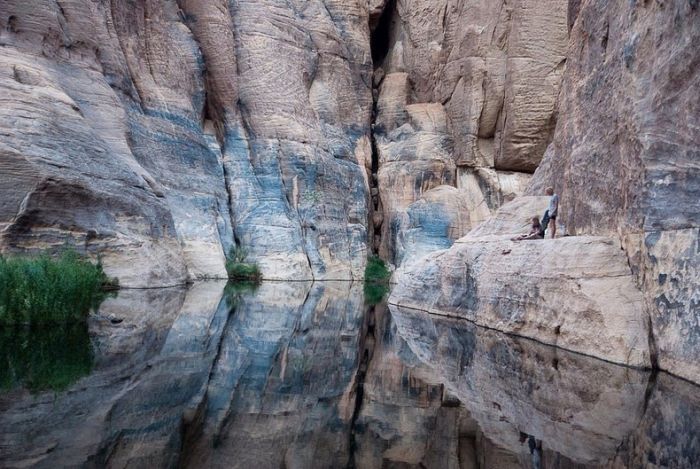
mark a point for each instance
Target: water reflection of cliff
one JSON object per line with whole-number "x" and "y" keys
{"x": 302, "y": 375}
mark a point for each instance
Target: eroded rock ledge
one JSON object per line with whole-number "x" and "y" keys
{"x": 577, "y": 293}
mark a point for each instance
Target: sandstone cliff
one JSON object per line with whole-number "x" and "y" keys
{"x": 157, "y": 134}
{"x": 160, "y": 134}
{"x": 624, "y": 159}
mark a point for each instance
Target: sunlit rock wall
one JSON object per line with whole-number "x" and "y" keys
{"x": 466, "y": 97}
{"x": 625, "y": 155}
{"x": 157, "y": 134}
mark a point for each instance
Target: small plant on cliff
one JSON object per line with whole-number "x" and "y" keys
{"x": 377, "y": 271}
{"x": 48, "y": 290}
{"x": 377, "y": 277}
{"x": 239, "y": 269}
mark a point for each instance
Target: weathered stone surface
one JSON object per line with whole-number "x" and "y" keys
{"x": 625, "y": 156}
{"x": 495, "y": 66}
{"x": 155, "y": 135}
{"x": 577, "y": 293}
{"x": 512, "y": 386}
{"x": 470, "y": 86}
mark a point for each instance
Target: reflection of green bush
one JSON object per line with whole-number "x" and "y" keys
{"x": 375, "y": 293}
{"x": 234, "y": 291}
{"x": 238, "y": 269}
{"x": 42, "y": 289}
{"x": 44, "y": 358}
{"x": 377, "y": 277}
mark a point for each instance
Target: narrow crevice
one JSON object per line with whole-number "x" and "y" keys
{"x": 366, "y": 350}
{"x": 380, "y": 38}
{"x": 380, "y": 44}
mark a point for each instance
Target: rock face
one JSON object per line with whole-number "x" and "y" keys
{"x": 624, "y": 160}
{"x": 577, "y": 293}
{"x": 466, "y": 89}
{"x": 159, "y": 135}
{"x": 625, "y": 155}
{"x": 509, "y": 389}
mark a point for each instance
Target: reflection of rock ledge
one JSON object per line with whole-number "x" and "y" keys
{"x": 512, "y": 385}
{"x": 577, "y": 293}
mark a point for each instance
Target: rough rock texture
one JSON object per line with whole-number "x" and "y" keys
{"x": 305, "y": 375}
{"x": 464, "y": 88}
{"x": 509, "y": 387}
{"x": 625, "y": 155}
{"x": 577, "y": 293}
{"x": 158, "y": 135}
{"x": 494, "y": 66}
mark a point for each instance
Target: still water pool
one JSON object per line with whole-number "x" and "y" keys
{"x": 302, "y": 375}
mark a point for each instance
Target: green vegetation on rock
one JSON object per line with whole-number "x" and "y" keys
{"x": 49, "y": 290}
{"x": 238, "y": 269}
{"x": 377, "y": 277}
{"x": 377, "y": 271}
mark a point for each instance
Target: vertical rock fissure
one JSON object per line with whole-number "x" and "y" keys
{"x": 366, "y": 350}
{"x": 380, "y": 43}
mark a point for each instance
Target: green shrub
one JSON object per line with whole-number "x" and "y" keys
{"x": 377, "y": 271}
{"x": 377, "y": 277}
{"x": 44, "y": 358}
{"x": 238, "y": 269}
{"x": 43, "y": 290}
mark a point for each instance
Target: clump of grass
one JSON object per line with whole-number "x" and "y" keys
{"x": 376, "y": 271}
{"x": 48, "y": 290}
{"x": 238, "y": 268}
{"x": 377, "y": 277}
{"x": 44, "y": 358}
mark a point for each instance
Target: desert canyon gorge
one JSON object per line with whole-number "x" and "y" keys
{"x": 159, "y": 135}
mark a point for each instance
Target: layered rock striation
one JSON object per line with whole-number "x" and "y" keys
{"x": 623, "y": 159}
{"x": 159, "y": 135}
{"x": 577, "y": 293}
{"x": 466, "y": 95}
{"x": 625, "y": 156}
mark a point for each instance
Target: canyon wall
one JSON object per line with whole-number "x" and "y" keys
{"x": 161, "y": 134}
{"x": 624, "y": 159}
{"x": 466, "y": 98}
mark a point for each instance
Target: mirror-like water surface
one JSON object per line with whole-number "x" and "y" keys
{"x": 309, "y": 376}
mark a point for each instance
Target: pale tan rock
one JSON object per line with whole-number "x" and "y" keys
{"x": 495, "y": 66}
{"x": 169, "y": 130}
{"x": 624, "y": 155}
{"x": 413, "y": 159}
{"x": 577, "y": 293}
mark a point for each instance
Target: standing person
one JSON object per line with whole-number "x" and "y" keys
{"x": 552, "y": 211}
